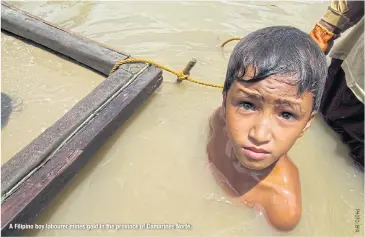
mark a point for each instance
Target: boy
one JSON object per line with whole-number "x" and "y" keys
{"x": 273, "y": 87}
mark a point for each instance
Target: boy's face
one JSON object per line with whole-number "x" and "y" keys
{"x": 265, "y": 118}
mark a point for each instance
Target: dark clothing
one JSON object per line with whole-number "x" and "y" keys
{"x": 343, "y": 112}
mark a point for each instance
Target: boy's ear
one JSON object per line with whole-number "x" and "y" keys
{"x": 308, "y": 123}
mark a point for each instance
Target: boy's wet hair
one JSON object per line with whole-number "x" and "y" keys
{"x": 284, "y": 51}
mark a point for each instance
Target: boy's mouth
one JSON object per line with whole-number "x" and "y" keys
{"x": 254, "y": 153}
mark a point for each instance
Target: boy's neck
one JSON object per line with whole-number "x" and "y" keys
{"x": 261, "y": 174}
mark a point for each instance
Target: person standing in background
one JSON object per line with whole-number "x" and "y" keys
{"x": 342, "y": 104}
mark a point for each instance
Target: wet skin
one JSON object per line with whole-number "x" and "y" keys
{"x": 250, "y": 135}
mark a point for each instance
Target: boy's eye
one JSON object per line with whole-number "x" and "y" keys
{"x": 246, "y": 105}
{"x": 287, "y": 115}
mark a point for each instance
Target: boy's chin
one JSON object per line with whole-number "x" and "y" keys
{"x": 255, "y": 165}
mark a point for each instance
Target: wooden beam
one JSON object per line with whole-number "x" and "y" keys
{"x": 77, "y": 48}
{"x": 25, "y": 204}
{"x": 43, "y": 168}
{"x": 90, "y": 53}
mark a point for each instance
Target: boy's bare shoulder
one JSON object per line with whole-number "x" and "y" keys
{"x": 284, "y": 176}
{"x": 286, "y": 168}
{"x": 280, "y": 195}
{"x": 283, "y": 202}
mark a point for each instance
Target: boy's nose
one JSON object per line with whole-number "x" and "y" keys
{"x": 260, "y": 133}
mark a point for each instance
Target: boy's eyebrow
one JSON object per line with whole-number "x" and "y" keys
{"x": 280, "y": 101}
{"x": 286, "y": 101}
{"x": 291, "y": 103}
{"x": 251, "y": 94}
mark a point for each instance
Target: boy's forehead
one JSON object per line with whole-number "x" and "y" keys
{"x": 271, "y": 90}
{"x": 272, "y": 85}
{"x": 251, "y": 72}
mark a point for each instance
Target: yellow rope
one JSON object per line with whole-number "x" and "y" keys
{"x": 180, "y": 75}
{"x": 229, "y": 40}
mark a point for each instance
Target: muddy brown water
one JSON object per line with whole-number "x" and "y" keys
{"x": 153, "y": 170}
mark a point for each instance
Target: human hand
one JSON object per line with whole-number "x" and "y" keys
{"x": 323, "y": 36}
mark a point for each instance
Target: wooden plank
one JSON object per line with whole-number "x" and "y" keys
{"x": 35, "y": 194}
{"x": 92, "y": 54}
{"x": 35, "y": 152}
{"x": 80, "y": 49}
